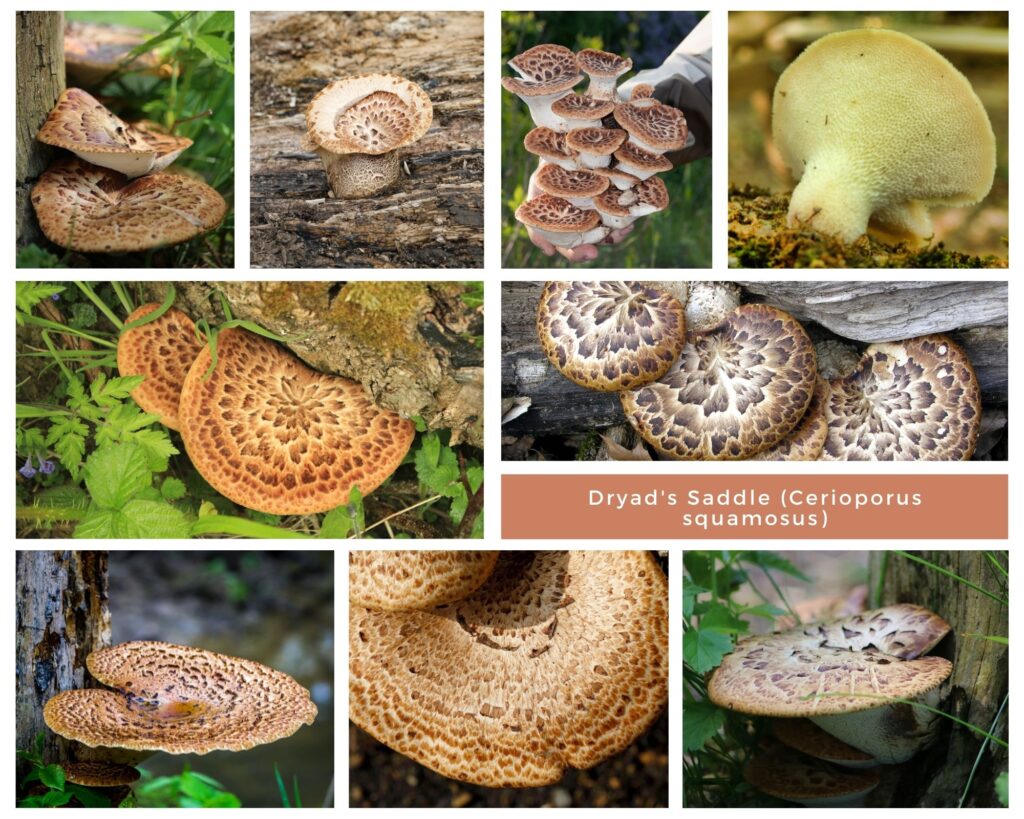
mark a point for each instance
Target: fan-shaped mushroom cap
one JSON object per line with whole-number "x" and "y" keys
{"x": 582, "y": 110}
{"x": 595, "y": 145}
{"x": 79, "y": 123}
{"x": 391, "y": 580}
{"x": 99, "y": 774}
{"x": 619, "y": 178}
{"x": 621, "y": 208}
{"x": 804, "y": 736}
{"x": 708, "y": 303}
{"x": 655, "y": 128}
{"x": 168, "y": 147}
{"x": 546, "y": 63}
{"x": 93, "y": 51}
{"x": 551, "y": 147}
{"x": 577, "y": 187}
{"x": 807, "y": 439}
{"x": 546, "y": 73}
{"x": 95, "y": 210}
{"x": 733, "y": 392}
{"x": 823, "y": 669}
{"x": 865, "y": 147}
{"x": 907, "y": 400}
{"x": 641, "y": 92}
{"x": 559, "y": 660}
{"x": 609, "y": 336}
{"x": 785, "y": 774}
{"x": 640, "y": 163}
{"x": 180, "y": 700}
{"x": 604, "y": 69}
{"x": 163, "y": 351}
{"x": 271, "y": 434}
{"x": 560, "y": 222}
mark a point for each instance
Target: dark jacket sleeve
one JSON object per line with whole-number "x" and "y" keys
{"x": 694, "y": 100}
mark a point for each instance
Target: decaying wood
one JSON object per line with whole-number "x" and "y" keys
{"x": 433, "y": 217}
{"x": 39, "y": 61}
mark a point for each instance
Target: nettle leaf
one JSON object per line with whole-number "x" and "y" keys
{"x": 136, "y": 519}
{"x": 67, "y": 436}
{"x": 52, "y": 776}
{"x": 701, "y": 721}
{"x": 172, "y": 489}
{"x": 704, "y": 650}
{"x": 114, "y": 473}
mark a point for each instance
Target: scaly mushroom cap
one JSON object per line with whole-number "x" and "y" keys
{"x": 609, "y": 336}
{"x": 604, "y": 69}
{"x": 559, "y": 660}
{"x": 368, "y": 114}
{"x": 392, "y": 580}
{"x": 786, "y": 774}
{"x": 601, "y": 141}
{"x": 655, "y": 127}
{"x": 821, "y": 669}
{"x": 641, "y": 91}
{"x": 167, "y": 147}
{"x": 915, "y": 400}
{"x": 636, "y": 160}
{"x": 93, "y": 51}
{"x": 180, "y": 700}
{"x": 804, "y": 736}
{"x": 807, "y": 439}
{"x": 649, "y": 196}
{"x": 557, "y": 181}
{"x": 581, "y": 107}
{"x": 95, "y": 210}
{"x": 865, "y": 147}
{"x": 163, "y": 351}
{"x": 551, "y": 213}
{"x": 271, "y": 434}
{"x": 99, "y": 774}
{"x": 544, "y": 69}
{"x": 734, "y": 391}
{"x": 548, "y": 144}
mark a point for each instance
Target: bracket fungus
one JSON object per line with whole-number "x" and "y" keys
{"x": 180, "y": 700}
{"x": 163, "y": 351}
{"x": 581, "y": 111}
{"x": 561, "y": 660}
{"x": 99, "y": 774}
{"x": 271, "y": 434}
{"x": 877, "y": 128}
{"x": 734, "y": 391}
{"x": 807, "y": 439}
{"x": 551, "y": 147}
{"x": 560, "y": 222}
{"x": 90, "y": 209}
{"x": 578, "y": 188}
{"x": 357, "y": 124}
{"x": 804, "y": 736}
{"x": 907, "y": 400}
{"x": 642, "y": 164}
{"x": 654, "y": 128}
{"x": 391, "y": 580}
{"x": 609, "y": 336}
{"x": 785, "y": 774}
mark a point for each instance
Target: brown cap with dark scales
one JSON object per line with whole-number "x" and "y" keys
{"x": 393, "y": 580}
{"x": 786, "y": 774}
{"x": 559, "y": 660}
{"x": 557, "y": 181}
{"x": 581, "y": 106}
{"x": 661, "y": 127}
{"x": 599, "y": 141}
{"x": 804, "y": 736}
{"x": 547, "y": 144}
{"x": 603, "y": 63}
{"x": 99, "y": 774}
{"x": 544, "y": 69}
{"x": 552, "y": 213}
{"x": 804, "y": 443}
{"x": 163, "y": 351}
{"x": 631, "y": 156}
{"x": 271, "y": 434}
{"x": 180, "y": 700}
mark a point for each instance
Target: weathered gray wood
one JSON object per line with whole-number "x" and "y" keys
{"x": 434, "y": 216}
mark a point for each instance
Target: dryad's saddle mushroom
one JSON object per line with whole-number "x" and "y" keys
{"x": 357, "y": 124}
{"x": 546, "y": 73}
{"x": 94, "y": 52}
{"x": 271, "y": 434}
{"x": 877, "y": 128}
{"x": 559, "y": 660}
{"x": 179, "y": 700}
{"x": 415, "y": 579}
{"x": 99, "y": 774}
{"x": 561, "y": 222}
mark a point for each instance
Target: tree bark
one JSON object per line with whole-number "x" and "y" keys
{"x": 62, "y": 617}
{"x": 433, "y": 216}
{"x": 39, "y": 56}
{"x": 979, "y": 682}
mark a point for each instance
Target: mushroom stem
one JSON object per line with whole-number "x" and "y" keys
{"x": 355, "y": 176}
{"x": 822, "y": 201}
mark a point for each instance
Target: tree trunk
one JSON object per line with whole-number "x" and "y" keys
{"x": 979, "y": 682}
{"x": 433, "y": 216}
{"x": 39, "y": 56}
{"x": 62, "y": 617}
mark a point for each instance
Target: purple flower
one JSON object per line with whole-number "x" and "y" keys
{"x": 46, "y": 467}
{"x": 55, "y": 297}
{"x": 28, "y": 471}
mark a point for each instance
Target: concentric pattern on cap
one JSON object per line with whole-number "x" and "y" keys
{"x": 99, "y": 774}
{"x": 907, "y": 400}
{"x": 733, "y": 392}
{"x": 393, "y": 580}
{"x": 368, "y": 114}
{"x": 806, "y": 440}
{"x": 163, "y": 351}
{"x": 804, "y": 736}
{"x": 95, "y": 210}
{"x": 179, "y": 700}
{"x": 544, "y": 69}
{"x": 552, "y": 213}
{"x": 609, "y": 335}
{"x": 827, "y": 668}
{"x": 595, "y": 140}
{"x": 548, "y": 144}
{"x": 634, "y": 157}
{"x": 785, "y": 774}
{"x": 273, "y": 435}
{"x": 603, "y": 63}
{"x": 659, "y": 126}
{"x": 581, "y": 106}
{"x": 79, "y": 121}
{"x": 557, "y": 181}
{"x": 559, "y": 660}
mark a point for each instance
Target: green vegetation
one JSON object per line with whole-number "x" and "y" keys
{"x": 44, "y": 786}
{"x": 189, "y": 789}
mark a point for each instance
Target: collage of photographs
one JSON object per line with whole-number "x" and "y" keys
{"x": 322, "y": 316}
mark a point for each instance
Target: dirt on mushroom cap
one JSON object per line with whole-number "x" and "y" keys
{"x": 392, "y": 580}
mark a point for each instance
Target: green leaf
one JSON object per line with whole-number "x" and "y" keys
{"x": 52, "y": 776}
{"x": 1003, "y": 789}
{"x": 701, "y": 721}
{"x": 105, "y": 392}
{"x": 218, "y": 21}
{"x": 336, "y": 524}
{"x": 704, "y": 650}
{"x": 172, "y": 489}
{"x": 156, "y": 443}
{"x": 115, "y": 473}
{"x": 770, "y": 560}
{"x": 700, "y": 565}
{"x": 719, "y": 618}
{"x": 28, "y": 294}
{"x": 765, "y": 610}
{"x": 216, "y": 49}
{"x": 67, "y": 437}
{"x": 137, "y": 519}
{"x": 32, "y": 802}
{"x": 690, "y": 593}
{"x": 32, "y": 411}
{"x": 87, "y": 796}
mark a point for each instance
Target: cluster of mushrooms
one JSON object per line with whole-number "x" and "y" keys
{"x": 114, "y": 195}
{"x": 263, "y": 429}
{"x": 504, "y": 669}
{"x": 703, "y": 377}
{"x": 828, "y": 689}
{"x": 175, "y": 699}
{"x": 356, "y": 126}
{"x": 584, "y": 196}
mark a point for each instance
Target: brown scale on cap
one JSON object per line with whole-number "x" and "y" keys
{"x": 548, "y": 144}
{"x": 595, "y": 140}
{"x": 557, "y": 181}
{"x": 179, "y": 700}
{"x": 552, "y": 213}
{"x": 822, "y": 669}
{"x": 99, "y": 774}
{"x": 734, "y": 391}
{"x": 559, "y": 660}
{"x": 392, "y": 580}
{"x": 95, "y": 210}
{"x": 163, "y": 351}
{"x": 906, "y": 400}
{"x": 581, "y": 107}
{"x": 609, "y": 336}
{"x": 544, "y": 69}
{"x": 806, "y": 440}
{"x": 603, "y": 63}
{"x": 271, "y": 434}
{"x": 641, "y": 91}
{"x": 633, "y": 157}
{"x": 786, "y": 774}
{"x": 659, "y": 127}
